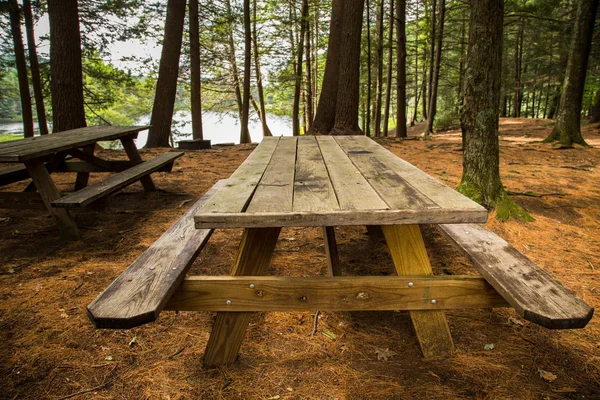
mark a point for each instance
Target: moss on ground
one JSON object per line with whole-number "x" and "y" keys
{"x": 505, "y": 206}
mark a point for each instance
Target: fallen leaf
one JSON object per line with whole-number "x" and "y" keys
{"x": 547, "y": 376}
{"x": 108, "y": 358}
{"x": 329, "y": 334}
{"x": 515, "y": 321}
{"x": 133, "y": 341}
{"x": 565, "y": 390}
{"x": 384, "y": 354}
{"x": 433, "y": 374}
{"x": 489, "y": 346}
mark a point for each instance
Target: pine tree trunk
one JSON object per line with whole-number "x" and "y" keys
{"x": 66, "y": 77}
{"x": 309, "y": 88}
{"x": 401, "y": 79}
{"x": 369, "y": 77}
{"x": 298, "y": 85}
{"x": 196, "y": 90}
{"x": 346, "y": 111}
{"x": 436, "y": 74}
{"x": 596, "y": 109}
{"x": 431, "y": 56}
{"x": 554, "y": 104}
{"x": 244, "y": 132}
{"x": 261, "y": 95}
{"x": 35, "y": 68}
{"x": 166, "y": 86}
{"x": 21, "y": 62}
{"x": 567, "y": 129}
{"x": 378, "y": 70}
{"x": 517, "y": 66}
{"x": 315, "y": 56}
{"x": 235, "y": 75}
{"x": 414, "y": 116}
{"x": 326, "y": 109}
{"x": 388, "y": 82}
{"x": 461, "y": 66}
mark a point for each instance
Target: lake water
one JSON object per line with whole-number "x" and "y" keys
{"x": 217, "y": 127}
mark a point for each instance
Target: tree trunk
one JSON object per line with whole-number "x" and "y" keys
{"x": 66, "y": 77}
{"x": 235, "y": 75}
{"x": 436, "y": 74}
{"x": 378, "y": 71}
{"x": 596, "y": 109}
{"x": 461, "y": 65}
{"x": 262, "y": 114}
{"x": 21, "y": 62}
{"x": 35, "y": 68}
{"x": 518, "y": 51}
{"x": 431, "y": 56}
{"x": 346, "y": 111}
{"x": 401, "y": 82}
{"x": 244, "y": 132}
{"x": 368, "y": 108}
{"x": 325, "y": 115}
{"x": 315, "y": 57}
{"x": 298, "y": 85}
{"x": 479, "y": 118}
{"x": 554, "y": 104}
{"x": 567, "y": 129}
{"x": 388, "y": 82}
{"x": 414, "y": 116}
{"x": 166, "y": 86}
{"x": 309, "y": 94}
{"x": 196, "y": 90}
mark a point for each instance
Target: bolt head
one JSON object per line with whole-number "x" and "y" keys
{"x": 410, "y": 284}
{"x": 252, "y": 286}
{"x": 490, "y": 266}
{"x": 228, "y": 302}
{"x": 433, "y": 301}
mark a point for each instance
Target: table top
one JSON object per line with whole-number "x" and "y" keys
{"x": 332, "y": 181}
{"x": 38, "y": 146}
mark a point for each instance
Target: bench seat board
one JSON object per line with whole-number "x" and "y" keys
{"x": 534, "y": 293}
{"x": 140, "y": 293}
{"x": 115, "y": 182}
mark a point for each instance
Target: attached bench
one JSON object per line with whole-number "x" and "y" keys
{"x": 141, "y": 292}
{"x": 115, "y": 182}
{"x": 534, "y": 294}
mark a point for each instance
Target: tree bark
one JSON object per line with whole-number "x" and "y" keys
{"x": 309, "y": 92}
{"x": 401, "y": 79}
{"x": 436, "y": 73}
{"x": 244, "y": 132}
{"x": 596, "y": 109}
{"x": 518, "y": 95}
{"x": 461, "y": 66}
{"x": 369, "y": 77}
{"x": 416, "y": 108}
{"x": 298, "y": 86}
{"x": 196, "y": 90}
{"x": 346, "y": 111}
{"x": 388, "y": 81}
{"x": 567, "y": 129}
{"x": 35, "y": 68}
{"x": 479, "y": 118}
{"x": 378, "y": 70}
{"x": 431, "y": 57}
{"x": 166, "y": 86}
{"x": 261, "y": 95}
{"x": 326, "y": 109}
{"x": 235, "y": 75}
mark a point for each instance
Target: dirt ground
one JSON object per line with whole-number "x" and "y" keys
{"x": 50, "y": 350}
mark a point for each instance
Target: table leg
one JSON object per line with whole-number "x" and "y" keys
{"x": 254, "y": 255}
{"x": 134, "y": 155}
{"x": 48, "y": 191}
{"x": 82, "y": 177}
{"x": 331, "y": 251}
{"x": 410, "y": 258}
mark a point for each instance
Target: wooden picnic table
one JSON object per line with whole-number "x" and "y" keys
{"x": 41, "y": 156}
{"x": 330, "y": 181}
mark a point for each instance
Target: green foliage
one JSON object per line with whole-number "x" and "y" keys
{"x": 10, "y": 106}
{"x": 446, "y": 120}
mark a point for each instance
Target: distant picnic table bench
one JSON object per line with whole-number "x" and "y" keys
{"x": 332, "y": 181}
{"x": 73, "y": 151}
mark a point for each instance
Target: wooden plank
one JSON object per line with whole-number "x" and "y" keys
{"x": 253, "y": 258}
{"x": 441, "y": 194}
{"x": 275, "y": 192}
{"x": 395, "y": 190}
{"x": 139, "y": 294}
{"x": 22, "y": 201}
{"x": 38, "y": 146}
{"x": 87, "y": 153}
{"x": 336, "y": 218}
{"x": 134, "y": 155}
{"x": 313, "y": 190}
{"x": 235, "y": 196}
{"x": 348, "y": 293}
{"x": 331, "y": 251}
{"x": 48, "y": 192}
{"x": 534, "y": 293}
{"x": 410, "y": 258}
{"x": 13, "y": 174}
{"x": 115, "y": 182}
{"x": 352, "y": 190}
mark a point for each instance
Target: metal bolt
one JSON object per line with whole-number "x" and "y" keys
{"x": 410, "y": 284}
{"x": 467, "y": 233}
{"x": 252, "y": 286}
{"x": 513, "y": 265}
{"x": 433, "y": 301}
{"x": 490, "y": 266}
{"x": 151, "y": 268}
{"x": 228, "y": 302}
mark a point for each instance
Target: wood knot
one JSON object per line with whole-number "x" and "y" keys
{"x": 259, "y": 293}
{"x": 303, "y": 298}
{"x": 362, "y": 296}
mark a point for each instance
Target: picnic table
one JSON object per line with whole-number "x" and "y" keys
{"x": 73, "y": 151}
{"x": 330, "y": 181}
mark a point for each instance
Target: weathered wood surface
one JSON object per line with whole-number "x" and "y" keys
{"x": 115, "y": 182}
{"x": 331, "y": 251}
{"x": 349, "y": 293}
{"x": 139, "y": 294}
{"x": 38, "y": 146}
{"x": 134, "y": 155}
{"x": 534, "y": 293}
{"x": 13, "y": 174}
{"x": 337, "y": 181}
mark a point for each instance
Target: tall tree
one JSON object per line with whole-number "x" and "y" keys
{"x": 436, "y": 73}
{"x": 244, "y": 132}
{"x": 66, "y": 77}
{"x": 369, "y": 86}
{"x": 378, "y": 70}
{"x": 567, "y": 129}
{"x": 518, "y": 95}
{"x": 401, "y": 78}
{"x": 431, "y": 57}
{"x": 309, "y": 88}
{"x": 298, "y": 82}
{"x": 166, "y": 86}
{"x": 35, "y": 68}
{"x": 232, "y": 58}
{"x": 388, "y": 82}
{"x": 262, "y": 114}
{"x": 15, "y": 27}
{"x": 479, "y": 118}
{"x": 196, "y": 90}
{"x": 596, "y": 109}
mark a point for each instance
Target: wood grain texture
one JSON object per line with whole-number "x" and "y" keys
{"x": 228, "y": 331}
{"x": 139, "y": 294}
{"x": 534, "y": 293}
{"x": 410, "y": 258}
{"x": 134, "y": 155}
{"x": 115, "y": 182}
{"x": 349, "y": 293}
{"x": 313, "y": 190}
{"x": 331, "y": 251}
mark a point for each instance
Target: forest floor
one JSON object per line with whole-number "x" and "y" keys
{"x": 50, "y": 350}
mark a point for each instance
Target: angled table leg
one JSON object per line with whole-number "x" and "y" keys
{"x": 410, "y": 258}
{"x": 48, "y": 191}
{"x": 82, "y": 177}
{"x": 134, "y": 155}
{"x": 254, "y": 255}
{"x": 331, "y": 251}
